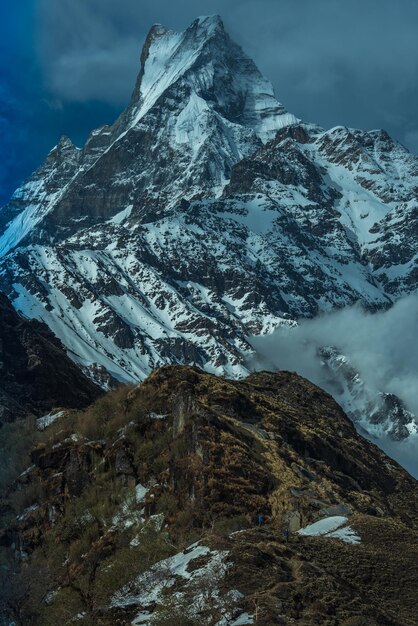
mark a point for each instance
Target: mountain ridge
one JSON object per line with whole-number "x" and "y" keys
{"x": 36, "y": 375}
{"x": 150, "y": 505}
{"x": 211, "y": 216}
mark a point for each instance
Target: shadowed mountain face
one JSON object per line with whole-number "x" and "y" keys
{"x": 36, "y": 375}
{"x": 206, "y": 214}
{"x": 131, "y": 484}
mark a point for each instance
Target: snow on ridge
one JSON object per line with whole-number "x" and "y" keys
{"x": 86, "y": 344}
{"x": 47, "y": 420}
{"x": 172, "y": 54}
{"x": 334, "y": 527}
{"x": 191, "y": 123}
{"x": 162, "y": 68}
{"x": 24, "y": 222}
{"x": 213, "y": 19}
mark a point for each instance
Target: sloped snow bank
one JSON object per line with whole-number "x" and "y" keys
{"x": 333, "y": 527}
{"x": 198, "y": 570}
{"x": 162, "y": 575}
{"x": 47, "y": 420}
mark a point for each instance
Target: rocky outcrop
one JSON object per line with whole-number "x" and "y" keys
{"x": 36, "y": 375}
{"x": 199, "y": 457}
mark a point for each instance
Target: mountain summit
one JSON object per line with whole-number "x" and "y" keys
{"x": 198, "y": 97}
{"x": 213, "y": 75}
{"x": 206, "y": 214}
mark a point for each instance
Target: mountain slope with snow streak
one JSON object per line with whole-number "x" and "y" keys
{"x": 206, "y": 213}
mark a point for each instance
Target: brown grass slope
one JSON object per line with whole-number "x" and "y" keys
{"x": 213, "y": 454}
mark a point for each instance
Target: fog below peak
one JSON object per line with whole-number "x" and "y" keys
{"x": 382, "y": 347}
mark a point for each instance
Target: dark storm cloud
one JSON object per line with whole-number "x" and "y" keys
{"x": 67, "y": 66}
{"x": 16, "y": 76}
{"x": 90, "y": 49}
{"x": 331, "y": 61}
{"x": 13, "y": 136}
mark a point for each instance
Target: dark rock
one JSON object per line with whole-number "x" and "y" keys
{"x": 337, "y": 509}
{"x": 36, "y": 375}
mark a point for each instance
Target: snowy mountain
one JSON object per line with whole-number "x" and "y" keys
{"x": 205, "y": 214}
{"x": 376, "y": 413}
{"x": 36, "y": 376}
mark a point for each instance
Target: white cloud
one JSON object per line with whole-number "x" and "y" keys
{"x": 383, "y": 348}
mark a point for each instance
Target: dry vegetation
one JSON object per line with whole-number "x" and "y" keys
{"x": 212, "y": 454}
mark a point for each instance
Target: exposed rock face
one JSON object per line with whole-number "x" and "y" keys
{"x": 375, "y": 413}
{"x": 203, "y": 453}
{"x": 36, "y": 375}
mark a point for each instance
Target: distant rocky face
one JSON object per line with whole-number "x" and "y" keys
{"x": 375, "y": 413}
{"x": 36, "y": 375}
{"x": 206, "y": 213}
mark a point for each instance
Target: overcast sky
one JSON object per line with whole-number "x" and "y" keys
{"x": 67, "y": 66}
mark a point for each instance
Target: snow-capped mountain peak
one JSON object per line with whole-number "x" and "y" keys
{"x": 210, "y": 22}
{"x": 206, "y": 214}
{"x": 197, "y": 92}
{"x": 207, "y": 63}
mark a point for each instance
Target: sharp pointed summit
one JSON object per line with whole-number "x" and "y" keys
{"x": 198, "y": 93}
{"x": 204, "y": 215}
{"x": 210, "y": 22}
{"x": 206, "y": 63}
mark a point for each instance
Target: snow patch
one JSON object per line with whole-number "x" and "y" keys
{"x": 47, "y": 420}
{"x": 243, "y": 619}
{"x": 158, "y": 416}
{"x": 122, "y": 215}
{"x": 140, "y": 493}
{"x": 332, "y": 527}
{"x": 347, "y": 534}
{"x": 323, "y": 526}
{"x": 27, "y": 512}
{"x": 147, "y": 589}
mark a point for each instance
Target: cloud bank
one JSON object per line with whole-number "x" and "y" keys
{"x": 383, "y": 348}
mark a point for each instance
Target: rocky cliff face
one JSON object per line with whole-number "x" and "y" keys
{"x": 132, "y": 484}
{"x": 205, "y": 214}
{"x": 36, "y": 375}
